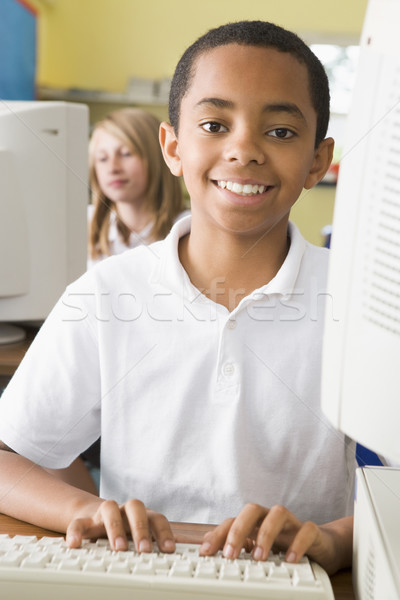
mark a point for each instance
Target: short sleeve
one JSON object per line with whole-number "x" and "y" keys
{"x": 50, "y": 411}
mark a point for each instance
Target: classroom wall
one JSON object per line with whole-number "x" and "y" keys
{"x": 100, "y": 44}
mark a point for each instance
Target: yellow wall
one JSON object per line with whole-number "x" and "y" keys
{"x": 312, "y": 211}
{"x": 100, "y": 44}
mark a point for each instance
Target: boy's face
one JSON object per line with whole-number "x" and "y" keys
{"x": 247, "y": 123}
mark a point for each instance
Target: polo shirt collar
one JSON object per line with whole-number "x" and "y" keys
{"x": 285, "y": 280}
{"x": 135, "y": 238}
{"x": 170, "y": 273}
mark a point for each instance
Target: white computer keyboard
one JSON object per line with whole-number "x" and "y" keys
{"x": 42, "y": 569}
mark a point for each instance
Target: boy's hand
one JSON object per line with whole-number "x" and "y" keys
{"x": 116, "y": 521}
{"x": 259, "y": 529}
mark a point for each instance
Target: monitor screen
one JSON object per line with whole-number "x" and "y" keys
{"x": 361, "y": 359}
{"x": 43, "y": 205}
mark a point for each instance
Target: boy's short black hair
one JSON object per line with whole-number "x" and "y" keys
{"x": 253, "y": 33}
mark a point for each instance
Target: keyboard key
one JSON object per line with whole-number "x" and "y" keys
{"x": 119, "y": 567}
{"x": 34, "y": 561}
{"x": 96, "y": 565}
{"x": 47, "y": 540}
{"x": 24, "y": 539}
{"x": 230, "y": 571}
{"x": 162, "y": 562}
{"x": 69, "y": 564}
{"x": 206, "y": 570}
{"x": 144, "y": 568}
{"x": 302, "y": 576}
{"x": 13, "y": 558}
{"x": 254, "y": 572}
{"x": 181, "y": 569}
{"x": 279, "y": 573}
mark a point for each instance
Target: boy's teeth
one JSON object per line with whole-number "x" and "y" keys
{"x": 244, "y": 190}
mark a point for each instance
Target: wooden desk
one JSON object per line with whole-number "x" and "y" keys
{"x": 12, "y": 354}
{"x": 185, "y": 532}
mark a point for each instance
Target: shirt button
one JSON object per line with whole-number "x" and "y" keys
{"x": 231, "y": 324}
{"x": 229, "y": 369}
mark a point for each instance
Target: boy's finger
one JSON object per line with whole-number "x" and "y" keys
{"x": 273, "y": 524}
{"x": 73, "y": 535}
{"x": 307, "y": 535}
{"x": 110, "y": 515}
{"x": 136, "y": 514}
{"x": 80, "y": 528}
{"x": 214, "y": 540}
{"x": 162, "y": 531}
{"x": 242, "y": 528}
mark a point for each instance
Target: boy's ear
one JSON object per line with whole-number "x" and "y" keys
{"x": 322, "y": 160}
{"x": 169, "y": 147}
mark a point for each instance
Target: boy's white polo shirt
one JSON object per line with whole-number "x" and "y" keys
{"x": 199, "y": 410}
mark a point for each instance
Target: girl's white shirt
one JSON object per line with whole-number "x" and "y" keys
{"x": 117, "y": 245}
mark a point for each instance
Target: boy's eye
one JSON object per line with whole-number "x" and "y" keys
{"x": 282, "y": 133}
{"x": 214, "y": 127}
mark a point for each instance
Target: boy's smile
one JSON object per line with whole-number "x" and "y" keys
{"x": 246, "y": 141}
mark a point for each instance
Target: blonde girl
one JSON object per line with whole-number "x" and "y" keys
{"x": 135, "y": 198}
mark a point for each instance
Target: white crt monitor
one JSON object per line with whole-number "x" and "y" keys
{"x": 361, "y": 357}
{"x": 361, "y": 366}
{"x": 43, "y": 206}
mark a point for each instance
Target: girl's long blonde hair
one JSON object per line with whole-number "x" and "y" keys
{"x": 138, "y": 130}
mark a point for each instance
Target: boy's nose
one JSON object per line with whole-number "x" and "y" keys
{"x": 244, "y": 147}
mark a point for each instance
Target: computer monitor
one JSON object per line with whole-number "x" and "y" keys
{"x": 43, "y": 207}
{"x": 361, "y": 366}
{"x": 361, "y": 354}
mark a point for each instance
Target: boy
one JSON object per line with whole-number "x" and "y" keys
{"x": 197, "y": 359}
